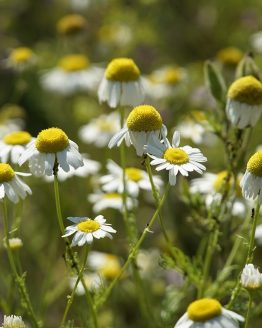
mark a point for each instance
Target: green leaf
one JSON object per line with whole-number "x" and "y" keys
{"x": 215, "y": 81}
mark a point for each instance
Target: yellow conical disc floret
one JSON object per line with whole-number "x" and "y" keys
{"x": 71, "y": 24}
{"x": 51, "y": 140}
{"x": 21, "y": 55}
{"x": 134, "y": 174}
{"x": 254, "y": 164}
{"x": 72, "y": 63}
{"x": 6, "y": 172}
{"x": 204, "y": 309}
{"x": 173, "y": 75}
{"x": 88, "y": 226}
{"x": 122, "y": 70}
{"x": 176, "y": 156}
{"x": 223, "y": 182}
{"x": 246, "y": 90}
{"x": 144, "y": 118}
{"x": 17, "y": 138}
{"x": 230, "y": 56}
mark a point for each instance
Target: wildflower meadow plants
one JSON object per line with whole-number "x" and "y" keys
{"x": 125, "y": 201}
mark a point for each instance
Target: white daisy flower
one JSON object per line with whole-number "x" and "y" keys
{"x": 103, "y": 201}
{"x": 86, "y": 229}
{"x": 251, "y": 183}
{"x": 93, "y": 281}
{"x": 10, "y": 185}
{"x": 121, "y": 84}
{"x": 100, "y": 130}
{"x": 71, "y": 24}
{"x": 175, "y": 159}
{"x": 13, "y": 321}
{"x": 72, "y": 74}
{"x": 51, "y": 145}
{"x": 21, "y": 58}
{"x": 207, "y": 313}
{"x": 258, "y": 234}
{"x": 107, "y": 265}
{"x": 14, "y": 243}
{"x": 229, "y": 56}
{"x": 244, "y": 102}
{"x": 135, "y": 179}
{"x": 90, "y": 167}
{"x": 143, "y": 123}
{"x": 212, "y": 187}
{"x": 13, "y": 145}
{"x": 251, "y": 278}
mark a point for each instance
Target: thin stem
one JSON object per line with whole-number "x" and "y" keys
{"x": 251, "y": 248}
{"x": 71, "y": 297}
{"x": 18, "y": 279}
{"x": 134, "y": 249}
{"x": 72, "y": 256}
{"x": 248, "y": 309}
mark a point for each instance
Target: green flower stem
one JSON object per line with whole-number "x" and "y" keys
{"x": 18, "y": 279}
{"x": 134, "y": 250}
{"x": 70, "y": 298}
{"x": 248, "y": 309}
{"x": 212, "y": 242}
{"x": 72, "y": 256}
{"x": 157, "y": 200}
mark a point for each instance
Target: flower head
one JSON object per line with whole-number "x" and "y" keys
{"x": 208, "y": 312}
{"x": 14, "y": 243}
{"x": 51, "y": 145}
{"x": 86, "y": 229}
{"x": 143, "y": 123}
{"x": 121, "y": 84}
{"x": 10, "y": 185}
{"x": 71, "y": 24}
{"x": 251, "y": 278}
{"x": 175, "y": 159}
{"x": 21, "y": 58}
{"x": 244, "y": 104}
{"x": 230, "y": 56}
{"x": 107, "y": 265}
{"x": 251, "y": 183}
{"x": 13, "y": 321}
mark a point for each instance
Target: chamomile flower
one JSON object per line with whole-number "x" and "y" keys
{"x": 229, "y": 56}
{"x": 244, "y": 102}
{"x": 93, "y": 281}
{"x": 207, "y": 313}
{"x": 113, "y": 200}
{"x": 72, "y": 74}
{"x": 175, "y": 159}
{"x": 100, "y": 130}
{"x": 90, "y": 167}
{"x": 107, "y": 265}
{"x": 251, "y": 278}
{"x": 143, "y": 123}
{"x": 212, "y": 186}
{"x": 71, "y": 24}
{"x": 86, "y": 229}
{"x": 13, "y": 145}
{"x": 21, "y": 58}
{"x": 258, "y": 234}
{"x": 121, "y": 84}
{"x": 135, "y": 179}
{"x": 14, "y": 243}
{"x": 13, "y": 321}
{"x": 10, "y": 185}
{"x": 251, "y": 183}
{"x": 51, "y": 145}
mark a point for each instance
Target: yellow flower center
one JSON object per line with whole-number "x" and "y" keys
{"x": 71, "y": 24}
{"x": 230, "y": 56}
{"x": 133, "y": 174}
{"x": 222, "y": 182}
{"x": 254, "y": 165}
{"x": 51, "y": 140}
{"x": 6, "y": 172}
{"x": 105, "y": 126}
{"x": 176, "y": 156}
{"x": 204, "y": 309}
{"x": 123, "y": 70}
{"x": 21, "y": 55}
{"x": 72, "y": 63}
{"x": 144, "y": 118}
{"x": 112, "y": 195}
{"x": 198, "y": 115}
{"x": 17, "y": 138}
{"x": 88, "y": 226}
{"x": 111, "y": 267}
{"x": 246, "y": 90}
{"x": 173, "y": 76}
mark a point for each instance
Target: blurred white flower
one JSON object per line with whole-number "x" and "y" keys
{"x": 103, "y": 201}
{"x": 13, "y": 321}
{"x": 21, "y": 58}
{"x": 135, "y": 179}
{"x": 100, "y": 130}
{"x": 92, "y": 281}
{"x": 107, "y": 265}
{"x": 256, "y": 41}
{"x": 251, "y": 278}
